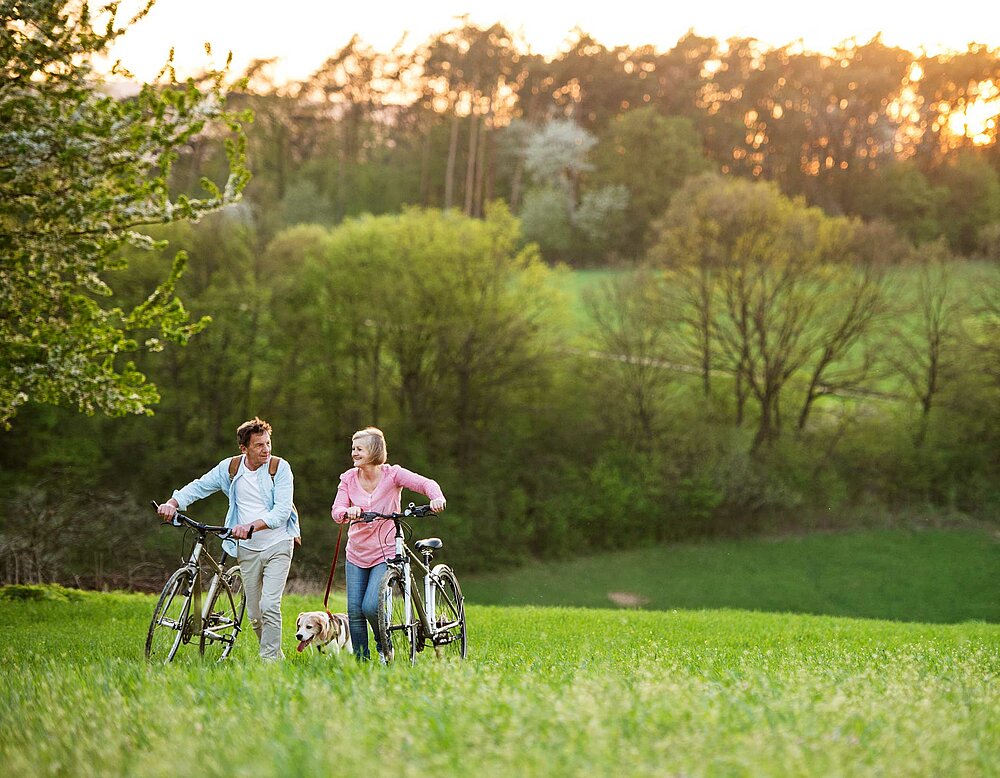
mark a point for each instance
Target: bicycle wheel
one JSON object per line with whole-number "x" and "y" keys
{"x": 451, "y": 638}
{"x": 171, "y": 622}
{"x": 394, "y": 636}
{"x": 225, "y": 616}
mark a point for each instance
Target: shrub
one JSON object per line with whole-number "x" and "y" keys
{"x": 50, "y": 592}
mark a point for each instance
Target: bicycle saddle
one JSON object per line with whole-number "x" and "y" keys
{"x": 428, "y": 544}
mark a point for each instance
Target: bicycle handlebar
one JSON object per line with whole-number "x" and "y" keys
{"x": 412, "y": 511}
{"x": 222, "y": 532}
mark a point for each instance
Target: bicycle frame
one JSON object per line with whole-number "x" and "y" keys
{"x": 405, "y": 611}
{"x": 194, "y": 566}
{"x": 426, "y": 606}
{"x": 197, "y": 598}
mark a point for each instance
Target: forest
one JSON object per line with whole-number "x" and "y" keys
{"x": 615, "y": 297}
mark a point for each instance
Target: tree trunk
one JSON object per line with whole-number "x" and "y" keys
{"x": 706, "y": 335}
{"x": 425, "y": 169}
{"x": 470, "y": 163}
{"x": 741, "y": 395}
{"x": 449, "y": 177}
{"x": 765, "y": 431}
{"x": 477, "y": 206}
{"x": 484, "y": 135}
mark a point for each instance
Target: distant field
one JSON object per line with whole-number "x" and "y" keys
{"x": 546, "y": 692}
{"x": 968, "y": 279}
{"x": 930, "y": 575}
{"x": 577, "y": 282}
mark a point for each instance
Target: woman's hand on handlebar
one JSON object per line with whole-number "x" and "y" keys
{"x": 354, "y": 512}
{"x": 438, "y": 505}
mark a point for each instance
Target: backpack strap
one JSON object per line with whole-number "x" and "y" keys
{"x": 272, "y": 469}
{"x": 234, "y": 466}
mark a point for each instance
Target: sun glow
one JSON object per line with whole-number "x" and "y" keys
{"x": 978, "y": 120}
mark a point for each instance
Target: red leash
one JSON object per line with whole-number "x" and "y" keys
{"x": 333, "y": 568}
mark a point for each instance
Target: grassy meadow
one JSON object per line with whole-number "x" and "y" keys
{"x": 932, "y": 575}
{"x": 545, "y": 691}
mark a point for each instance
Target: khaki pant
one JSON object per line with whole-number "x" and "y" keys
{"x": 264, "y": 575}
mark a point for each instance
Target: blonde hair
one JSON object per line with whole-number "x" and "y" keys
{"x": 375, "y": 440}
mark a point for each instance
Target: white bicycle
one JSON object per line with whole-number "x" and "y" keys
{"x": 411, "y": 618}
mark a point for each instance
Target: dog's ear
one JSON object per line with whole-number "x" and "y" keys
{"x": 298, "y": 620}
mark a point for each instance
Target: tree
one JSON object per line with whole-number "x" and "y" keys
{"x": 352, "y": 87}
{"x": 556, "y": 155}
{"x": 845, "y": 315}
{"x": 472, "y": 71}
{"x": 770, "y": 289}
{"x": 459, "y": 330}
{"x": 901, "y": 193}
{"x": 80, "y": 172}
{"x": 651, "y": 156}
{"x": 948, "y": 85}
{"x": 555, "y": 214}
{"x": 628, "y": 315}
{"x": 681, "y": 244}
{"x": 923, "y": 351}
{"x": 545, "y": 220}
{"x": 972, "y": 200}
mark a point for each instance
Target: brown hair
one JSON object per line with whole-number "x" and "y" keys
{"x": 376, "y": 444}
{"x": 250, "y": 428}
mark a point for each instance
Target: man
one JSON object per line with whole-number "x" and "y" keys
{"x": 260, "y": 497}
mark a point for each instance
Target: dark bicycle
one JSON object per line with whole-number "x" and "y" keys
{"x": 408, "y": 620}
{"x": 180, "y": 616}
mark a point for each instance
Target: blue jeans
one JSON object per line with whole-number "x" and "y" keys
{"x": 362, "y": 603}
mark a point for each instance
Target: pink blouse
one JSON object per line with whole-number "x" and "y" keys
{"x": 369, "y": 544}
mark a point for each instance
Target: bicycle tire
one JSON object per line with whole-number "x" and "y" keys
{"x": 394, "y": 637}
{"x": 224, "y": 621}
{"x": 449, "y": 613}
{"x": 170, "y": 625}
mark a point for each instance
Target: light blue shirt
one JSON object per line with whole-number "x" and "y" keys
{"x": 278, "y": 494}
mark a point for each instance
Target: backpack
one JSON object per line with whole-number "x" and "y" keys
{"x": 272, "y": 468}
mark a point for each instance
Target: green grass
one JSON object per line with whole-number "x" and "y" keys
{"x": 577, "y": 282}
{"x": 928, "y": 575}
{"x": 546, "y": 691}
{"x": 968, "y": 278}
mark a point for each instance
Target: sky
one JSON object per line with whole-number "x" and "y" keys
{"x": 303, "y": 33}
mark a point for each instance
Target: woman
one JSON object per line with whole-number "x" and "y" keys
{"x": 372, "y": 486}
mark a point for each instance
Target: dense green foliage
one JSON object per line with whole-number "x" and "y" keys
{"x": 468, "y": 117}
{"x": 775, "y": 359}
{"x": 80, "y": 174}
{"x": 538, "y": 445}
{"x": 544, "y": 692}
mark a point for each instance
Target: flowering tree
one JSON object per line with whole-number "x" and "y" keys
{"x": 80, "y": 173}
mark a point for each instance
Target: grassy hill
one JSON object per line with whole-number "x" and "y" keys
{"x": 545, "y": 692}
{"x": 940, "y": 576}
{"x": 698, "y": 681}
